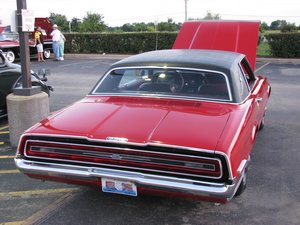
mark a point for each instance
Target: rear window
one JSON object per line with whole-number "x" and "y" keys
{"x": 165, "y": 82}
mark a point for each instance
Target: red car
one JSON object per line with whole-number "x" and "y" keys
{"x": 10, "y": 45}
{"x": 179, "y": 122}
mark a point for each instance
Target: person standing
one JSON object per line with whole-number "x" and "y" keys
{"x": 38, "y": 41}
{"x": 62, "y": 46}
{"x": 56, "y": 37}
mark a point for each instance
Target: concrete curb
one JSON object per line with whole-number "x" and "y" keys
{"x": 279, "y": 60}
{"x": 122, "y": 56}
{"x": 96, "y": 56}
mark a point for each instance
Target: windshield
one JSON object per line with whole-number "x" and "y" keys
{"x": 169, "y": 82}
{"x": 9, "y": 36}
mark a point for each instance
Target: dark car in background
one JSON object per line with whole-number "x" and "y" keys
{"x": 10, "y": 78}
{"x": 9, "y": 74}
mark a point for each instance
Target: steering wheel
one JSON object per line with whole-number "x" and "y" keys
{"x": 179, "y": 81}
{"x": 174, "y": 79}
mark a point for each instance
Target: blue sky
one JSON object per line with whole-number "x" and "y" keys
{"x": 118, "y": 12}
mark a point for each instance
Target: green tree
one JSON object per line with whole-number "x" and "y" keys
{"x": 115, "y": 30}
{"x": 140, "y": 27}
{"x": 75, "y": 24}
{"x": 170, "y": 25}
{"x": 278, "y": 24}
{"x": 60, "y": 20}
{"x": 152, "y": 27}
{"x": 211, "y": 16}
{"x": 127, "y": 27}
{"x": 289, "y": 27}
{"x": 93, "y": 22}
{"x": 263, "y": 27}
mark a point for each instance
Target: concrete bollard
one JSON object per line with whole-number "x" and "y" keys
{"x": 25, "y": 111}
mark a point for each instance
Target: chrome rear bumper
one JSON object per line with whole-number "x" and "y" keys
{"x": 205, "y": 189}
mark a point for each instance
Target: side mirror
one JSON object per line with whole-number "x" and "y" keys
{"x": 44, "y": 73}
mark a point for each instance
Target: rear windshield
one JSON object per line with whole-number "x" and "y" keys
{"x": 165, "y": 82}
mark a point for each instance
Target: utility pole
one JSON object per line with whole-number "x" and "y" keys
{"x": 27, "y": 105}
{"x": 26, "y": 89}
{"x": 185, "y": 11}
{"x": 24, "y": 51}
{"x": 156, "y": 34}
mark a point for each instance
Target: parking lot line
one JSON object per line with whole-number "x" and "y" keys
{"x": 2, "y": 143}
{"x": 13, "y": 223}
{"x": 2, "y": 128}
{"x": 36, "y": 192}
{"x": 9, "y": 171}
{"x": 4, "y": 132}
{"x": 7, "y": 156}
{"x": 261, "y": 67}
{"x": 46, "y": 212}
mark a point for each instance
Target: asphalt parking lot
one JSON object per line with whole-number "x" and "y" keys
{"x": 272, "y": 195}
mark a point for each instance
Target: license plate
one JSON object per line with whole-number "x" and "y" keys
{"x": 118, "y": 187}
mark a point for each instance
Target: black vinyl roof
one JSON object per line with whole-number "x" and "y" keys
{"x": 212, "y": 60}
{"x": 188, "y": 58}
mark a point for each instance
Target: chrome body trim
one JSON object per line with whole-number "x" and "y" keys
{"x": 123, "y": 149}
{"x": 48, "y": 42}
{"x": 116, "y": 142}
{"x": 207, "y": 189}
{"x": 242, "y": 166}
{"x": 230, "y": 174}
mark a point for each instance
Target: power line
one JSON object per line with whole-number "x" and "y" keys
{"x": 260, "y": 15}
{"x": 251, "y": 15}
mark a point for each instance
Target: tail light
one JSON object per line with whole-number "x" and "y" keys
{"x": 132, "y": 159}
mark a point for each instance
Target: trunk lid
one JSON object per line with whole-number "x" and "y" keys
{"x": 160, "y": 121}
{"x": 235, "y": 36}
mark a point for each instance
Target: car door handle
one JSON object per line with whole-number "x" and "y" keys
{"x": 259, "y": 99}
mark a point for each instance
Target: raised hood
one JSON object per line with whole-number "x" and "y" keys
{"x": 197, "y": 125}
{"x": 235, "y": 36}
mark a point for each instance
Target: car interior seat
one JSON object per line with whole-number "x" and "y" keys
{"x": 155, "y": 87}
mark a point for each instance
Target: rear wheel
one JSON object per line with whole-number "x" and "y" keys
{"x": 10, "y": 55}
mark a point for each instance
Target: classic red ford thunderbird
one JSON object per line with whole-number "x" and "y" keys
{"x": 179, "y": 122}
